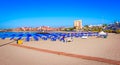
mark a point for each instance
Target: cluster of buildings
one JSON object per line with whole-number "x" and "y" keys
{"x": 77, "y": 26}
{"x": 99, "y": 25}
{"x": 114, "y": 26}
{"x": 42, "y": 28}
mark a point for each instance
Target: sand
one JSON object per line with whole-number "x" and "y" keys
{"x": 96, "y": 47}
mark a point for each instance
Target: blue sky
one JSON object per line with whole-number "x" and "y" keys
{"x": 33, "y": 13}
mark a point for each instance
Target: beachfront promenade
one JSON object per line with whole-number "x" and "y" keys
{"x": 107, "y": 49}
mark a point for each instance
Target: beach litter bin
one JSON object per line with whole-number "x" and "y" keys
{"x": 19, "y": 41}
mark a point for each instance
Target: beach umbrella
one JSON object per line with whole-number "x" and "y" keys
{"x": 28, "y": 38}
{"x": 84, "y": 37}
{"x": 76, "y": 35}
{"x": 53, "y": 39}
{"x": 102, "y": 33}
{"x": 29, "y": 35}
{"x": 44, "y": 37}
{"x": 4, "y": 36}
{"x": 20, "y": 37}
{"x": 12, "y": 36}
{"x": 35, "y": 37}
{"x": 39, "y": 35}
{"x": 21, "y": 34}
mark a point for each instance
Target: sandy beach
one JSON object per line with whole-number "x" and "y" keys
{"x": 107, "y": 48}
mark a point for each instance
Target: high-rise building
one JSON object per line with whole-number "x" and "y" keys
{"x": 78, "y": 24}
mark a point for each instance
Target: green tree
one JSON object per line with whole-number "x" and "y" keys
{"x": 86, "y": 28}
{"x": 69, "y": 29}
{"x": 118, "y": 31}
{"x": 104, "y": 25}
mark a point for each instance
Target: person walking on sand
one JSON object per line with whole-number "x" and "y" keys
{"x": 62, "y": 38}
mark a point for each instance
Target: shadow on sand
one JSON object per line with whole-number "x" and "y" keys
{"x": 7, "y": 43}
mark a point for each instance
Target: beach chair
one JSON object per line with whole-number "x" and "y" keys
{"x": 76, "y": 35}
{"x": 35, "y": 38}
{"x": 89, "y": 34}
{"x": 20, "y": 34}
{"x": 3, "y": 37}
{"x": 84, "y": 37}
{"x": 12, "y": 37}
{"x": 29, "y": 34}
{"x": 44, "y": 37}
{"x": 53, "y": 39}
{"x": 57, "y": 36}
{"x": 38, "y": 35}
{"x": 28, "y": 38}
{"x": 20, "y": 37}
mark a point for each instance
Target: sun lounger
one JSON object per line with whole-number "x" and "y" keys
{"x": 12, "y": 37}
{"x": 35, "y": 38}
{"x": 20, "y": 37}
{"x": 53, "y": 39}
{"x": 28, "y": 38}
{"x": 44, "y": 37}
{"x": 3, "y": 37}
{"x": 84, "y": 37}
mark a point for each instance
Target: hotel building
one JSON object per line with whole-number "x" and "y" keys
{"x": 78, "y": 24}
